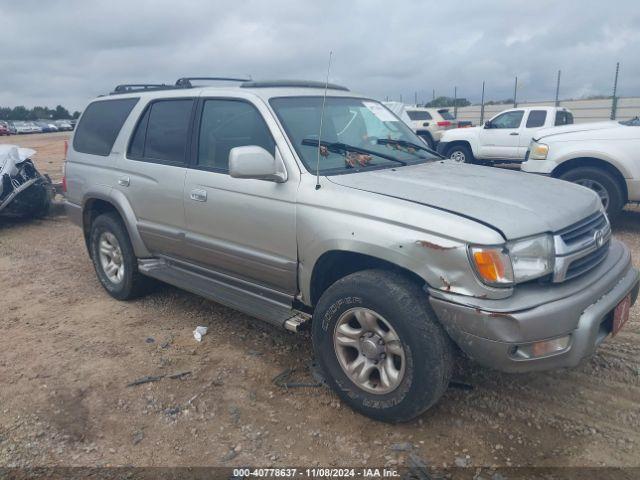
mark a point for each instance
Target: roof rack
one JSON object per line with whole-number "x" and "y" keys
{"x": 293, "y": 83}
{"x": 140, "y": 87}
{"x": 185, "y": 82}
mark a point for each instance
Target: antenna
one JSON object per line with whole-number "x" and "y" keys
{"x": 324, "y": 99}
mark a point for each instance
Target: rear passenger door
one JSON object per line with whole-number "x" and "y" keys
{"x": 535, "y": 120}
{"x": 152, "y": 173}
{"x": 243, "y": 228}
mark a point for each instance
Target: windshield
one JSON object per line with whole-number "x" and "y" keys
{"x": 352, "y": 122}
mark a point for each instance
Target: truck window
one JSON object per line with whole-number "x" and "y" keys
{"x": 227, "y": 124}
{"x": 564, "y": 118}
{"x": 419, "y": 115}
{"x": 508, "y": 119}
{"x": 101, "y": 124}
{"x": 536, "y": 118}
{"x": 162, "y": 132}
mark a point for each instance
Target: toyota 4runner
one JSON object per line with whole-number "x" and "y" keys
{"x": 392, "y": 255}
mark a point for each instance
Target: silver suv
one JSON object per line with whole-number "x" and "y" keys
{"x": 393, "y": 256}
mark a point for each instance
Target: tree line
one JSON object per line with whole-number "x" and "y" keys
{"x": 36, "y": 113}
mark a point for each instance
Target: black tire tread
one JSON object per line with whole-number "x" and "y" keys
{"x": 412, "y": 301}
{"x": 136, "y": 285}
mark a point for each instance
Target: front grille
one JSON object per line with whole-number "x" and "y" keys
{"x": 584, "y": 229}
{"x": 581, "y": 247}
{"x": 586, "y": 263}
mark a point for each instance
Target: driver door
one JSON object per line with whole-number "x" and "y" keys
{"x": 243, "y": 228}
{"x": 500, "y": 137}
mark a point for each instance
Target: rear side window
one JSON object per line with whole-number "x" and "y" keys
{"x": 419, "y": 115}
{"x": 536, "y": 118}
{"x": 227, "y": 124}
{"x": 564, "y": 118}
{"x": 101, "y": 124}
{"x": 446, "y": 114}
{"x": 162, "y": 132}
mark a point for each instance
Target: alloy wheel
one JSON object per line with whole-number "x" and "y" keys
{"x": 369, "y": 351}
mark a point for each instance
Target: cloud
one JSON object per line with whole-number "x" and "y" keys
{"x": 70, "y": 51}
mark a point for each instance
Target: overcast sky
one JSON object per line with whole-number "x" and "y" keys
{"x": 67, "y": 52}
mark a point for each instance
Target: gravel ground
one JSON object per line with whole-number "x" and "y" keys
{"x": 68, "y": 352}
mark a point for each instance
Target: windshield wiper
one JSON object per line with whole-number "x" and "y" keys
{"x": 405, "y": 144}
{"x": 344, "y": 148}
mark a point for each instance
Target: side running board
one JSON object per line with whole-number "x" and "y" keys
{"x": 272, "y": 307}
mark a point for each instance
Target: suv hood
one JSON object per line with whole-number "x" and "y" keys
{"x": 575, "y": 128}
{"x": 516, "y": 204}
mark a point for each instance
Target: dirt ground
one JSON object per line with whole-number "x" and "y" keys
{"x": 68, "y": 352}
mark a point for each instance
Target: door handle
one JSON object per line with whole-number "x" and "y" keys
{"x": 124, "y": 181}
{"x": 514, "y": 133}
{"x": 198, "y": 195}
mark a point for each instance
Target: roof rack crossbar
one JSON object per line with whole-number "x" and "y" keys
{"x": 185, "y": 82}
{"x": 140, "y": 87}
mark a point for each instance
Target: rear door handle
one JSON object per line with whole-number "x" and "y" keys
{"x": 514, "y": 133}
{"x": 124, "y": 181}
{"x": 198, "y": 195}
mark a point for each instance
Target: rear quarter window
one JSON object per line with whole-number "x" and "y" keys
{"x": 564, "y": 118}
{"x": 100, "y": 125}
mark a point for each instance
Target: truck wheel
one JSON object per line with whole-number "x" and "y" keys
{"x": 380, "y": 346}
{"x": 460, "y": 154}
{"x": 603, "y": 183}
{"x": 113, "y": 258}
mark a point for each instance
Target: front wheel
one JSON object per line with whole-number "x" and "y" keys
{"x": 603, "y": 183}
{"x": 380, "y": 346}
{"x": 460, "y": 154}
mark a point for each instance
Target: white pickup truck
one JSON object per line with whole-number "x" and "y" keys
{"x": 504, "y": 138}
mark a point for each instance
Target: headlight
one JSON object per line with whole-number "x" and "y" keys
{"x": 538, "y": 151}
{"x": 515, "y": 262}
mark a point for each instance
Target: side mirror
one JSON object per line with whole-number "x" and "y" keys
{"x": 255, "y": 162}
{"x": 488, "y": 124}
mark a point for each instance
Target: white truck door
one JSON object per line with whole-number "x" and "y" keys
{"x": 500, "y": 136}
{"x": 536, "y": 120}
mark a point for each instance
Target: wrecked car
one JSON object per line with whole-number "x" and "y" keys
{"x": 306, "y": 205}
{"x": 24, "y": 192}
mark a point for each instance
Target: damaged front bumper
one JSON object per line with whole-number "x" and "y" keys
{"x": 494, "y": 333}
{"x": 23, "y": 190}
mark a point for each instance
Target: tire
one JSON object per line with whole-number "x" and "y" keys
{"x": 427, "y": 138}
{"x": 424, "y": 366}
{"x": 461, "y": 154}
{"x": 603, "y": 183}
{"x": 130, "y": 284}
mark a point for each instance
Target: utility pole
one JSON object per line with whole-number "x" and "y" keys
{"x": 614, "y": 98}
{"x": 558, "y": 89}
{"x": 515, "y": 94}
{"x": 415, "y": 98}
{"x": 482, "y": 106}
{"x": 434, "y": 94}
{"x": 455, "y": 102}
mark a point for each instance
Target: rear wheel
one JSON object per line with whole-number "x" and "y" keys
{"x": 380, "y": 345}
{"x": 460, "y": 154}
{"x": 603, "y": 183}
{"x": 114, "y": 260}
